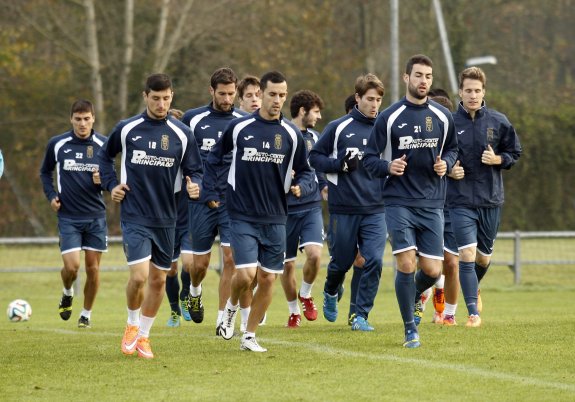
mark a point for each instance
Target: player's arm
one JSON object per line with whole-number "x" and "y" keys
{"x": 106, "y": 155}
{"x": 192, "y": 168}
{"x": 376, "y": 146}
{"x": 214, "y": 162}
{"x": 47, "y": 172}
{"x": 321, "y": 155}
{"x": 509, "y": 146}
{"x": 450, "y": 149}
{"x": 304, "y": 177}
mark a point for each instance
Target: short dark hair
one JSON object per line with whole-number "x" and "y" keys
{"x": 246, "y": 82}
{"x": 433, "y": 92}
{"x": 364, "y": 83}
{"x": 417, "y": 59}
{"x": 472, "y": 73}
{"x": 158, "y": 82}
{"x": 349, "y": 103}
{"x": 443, "y": 101}
{"x": 305, "y": 98}
{"x": 82, "y": 106}
{"x": 272, "y": 76}
{"x": 224, "y": 75}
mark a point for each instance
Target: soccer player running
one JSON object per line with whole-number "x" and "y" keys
{"x": 488, "y": 144}
{"x": 357, "y": 218}
{"x": 266, "y": 149}
{"x": 304, "y": 227}
{"x": 205, "y": 220}
{"x": 249, "y": 94}
{"x": 156, "y": 150}
{"x": 79, "y": 204}
{"x": 413, "y": 146}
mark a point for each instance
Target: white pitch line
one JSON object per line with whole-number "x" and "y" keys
{"x": 335, "y": 352}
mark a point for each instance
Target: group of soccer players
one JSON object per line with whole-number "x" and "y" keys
{"x": 429, "y": 180}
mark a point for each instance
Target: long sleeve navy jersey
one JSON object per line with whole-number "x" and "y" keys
{"x": 155, "y": 153}
{"x": 264, "y": 153}
{"x": 352, "y": 193}
{"x": 313, "y": 199}
{"x": 207, "y": 125}
{"x": 421, "y": 133}
{"x": 74, "y": 160}
{"x": 482, "y": 185}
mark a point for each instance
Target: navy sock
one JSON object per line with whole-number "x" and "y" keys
{"x": 185, "y": 276}
{"x": 481, "y": 271}
{"x": 172, "y": 290}
{"x": 405, "y": 293}
{"x": 469, "y": 285}
{"x": 357, "y": 272}
{"x": 422, "y": 283}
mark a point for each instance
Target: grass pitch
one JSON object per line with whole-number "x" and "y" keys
{"x": 523, "y": 351}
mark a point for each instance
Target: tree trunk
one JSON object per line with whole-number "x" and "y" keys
{"x": 94, "y": 62}
{"x": 128, "y": 53}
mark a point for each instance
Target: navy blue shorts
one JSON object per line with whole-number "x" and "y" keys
{"x": 143, "y": 243}
{"x": 419, "y": 229}
{"x": 476, "y": 227}
{"x": 205, "y": 223}
{"x": 182, "y": 243}
{"x": 303, "y": 228}
{"x": 258, "y": 244}
{"x": 82, "y": 234}
{"x": 449, "y": 242}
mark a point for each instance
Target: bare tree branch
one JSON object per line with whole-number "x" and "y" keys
{"x": 128, "y": 56}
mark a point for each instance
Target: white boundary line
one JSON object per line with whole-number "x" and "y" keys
{"x": 335, "y": 352}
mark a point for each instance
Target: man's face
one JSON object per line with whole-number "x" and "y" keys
{"x": 472, "y": 94}
{"x": 223, "y": 96}
{"x": 158, "y": 103}
{"x": 309, "y": 119}
{"x": 273, "y": 98}
{"x": 82, "y": 123}
{"x": 251, "y": 100}
{"x": 369, "y": 103}
{"x": 419, "y": 81}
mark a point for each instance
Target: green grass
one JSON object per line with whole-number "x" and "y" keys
{"x": 523, "y": 351}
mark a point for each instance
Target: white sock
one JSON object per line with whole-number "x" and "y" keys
{"x": 440, "y": 282}
{"x": 86, "y": 313}
{"x": 305, "y": 289}
{"x": 220, "y": 314}
{"x": 249, "y": 334}
{"x": 245, "y": 313}
{"x": 230, "y": 306}
{"x": 427, "y": 296}
{"x": 196, "y": 291}
{"x": 145, "y": 326}
{"x": 449, "y": 309}
{"x": 68, "y": 292}
{"x": 293, "y": 307}
{"x": 134, "y": 317}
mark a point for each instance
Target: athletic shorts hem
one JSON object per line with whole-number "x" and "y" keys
{"x": 95, "y": 249}
{"x": 310, "y": 243}
{"x": 451, "y": 251}
{"x": 147, "y": 258}
{"x": 70, "y": 250}
{"x": 290, "y": 259}
{"x": 404, "y": 249}
{"x": 160, "y": 267}
{"x": 432, "y": 257}
{"x": 484, "y": 254}
{"x": 467, "y": 246}
{"x": 271, "y": 270}
{"x": 201, "y": 252}
{"x": 249, "y": 265}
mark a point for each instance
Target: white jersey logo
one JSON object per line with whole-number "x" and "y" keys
{"x": 67, "y": 150}
{"x": 460, "y": 132}
{"x": 408, "y": 142}
{"x": 141, "y": 158}
{"x": 249, "y": 137}
{"x": 204, "y": 127}
{"x": 253, "y": 155}
{"x": 136, "y": 138}
{"x": 402, "y": 125}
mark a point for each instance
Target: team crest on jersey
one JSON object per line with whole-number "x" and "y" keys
{"x": 428, "y": 123}
{"x": 490, "y": 135}
{"x": 278, "y": 141}
{"x": 165, "y": 142}
{"x": 90, "y": 151}
{"x": 309, "y": 145}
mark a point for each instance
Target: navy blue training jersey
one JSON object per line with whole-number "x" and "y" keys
{"x": 264, "y": 153}
{"x": 482, "y": 185}
{"x": 314, "y": 198}
{"x": 421, "y": 133}
{"x": 348, "y": 192}
{"x": 74, "y": 160}
{"x": 155, "y": 153}
{"x": 207, "y": 125}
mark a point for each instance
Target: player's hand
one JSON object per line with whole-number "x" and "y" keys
{"x": 397, "y": 166}
{"x": 119, "y": 192}
{"x": 193, "y": 188}
{"x": 296, "y": 190}
{"x": 324, "y": 193}
{"x": 457, "y": 171}
{"x": 96, "y": 177}
{"x": 440, "y": 166}
{"x": 213, "y": 204}
{"x": 177, "y": 113}
{"x": 350, "y": 162}
{"x": 488, "y": 157}
{"x": 55, "y": 204}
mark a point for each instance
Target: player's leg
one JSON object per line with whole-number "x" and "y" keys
{"x": 172, "y": 292}
{"x": 489, "y": 219}
{"x": 70, "y": 245}
{"x": 342, "y": 238}
{"x": 464, "y": 222}
{"x": 187, "y": 260}
{"x": 371, "y": 241}
{"x": 355, "y": 279}
{"x": 288, "y": 278}
{"x": 401, "y": 231}
{"x": 450, "y": 271}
